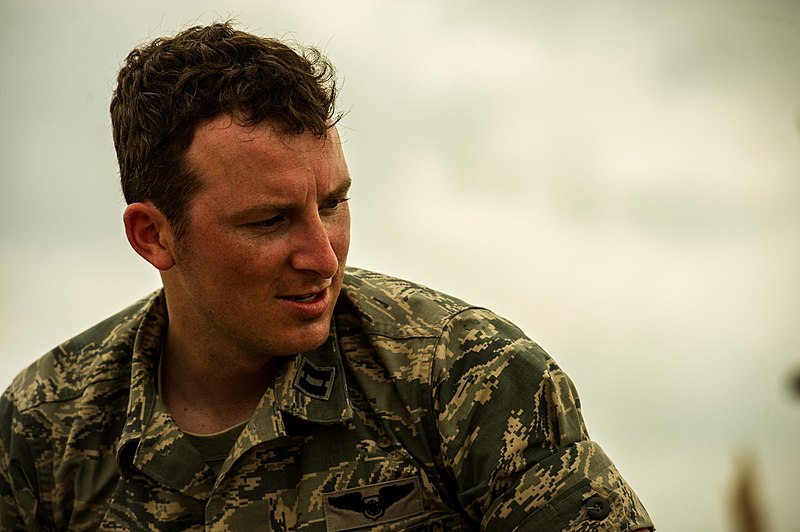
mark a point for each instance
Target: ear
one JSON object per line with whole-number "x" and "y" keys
{"x": 150, "y": 234}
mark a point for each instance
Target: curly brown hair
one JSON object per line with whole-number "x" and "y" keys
{"x": 166, "y": 87}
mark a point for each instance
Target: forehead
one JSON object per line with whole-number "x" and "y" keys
{"x": 223, "y": 140}
{"x": 248, "y": 168}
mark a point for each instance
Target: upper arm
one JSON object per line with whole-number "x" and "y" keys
{"x": 18, "y": 500}
{"x": 513, "y": 435}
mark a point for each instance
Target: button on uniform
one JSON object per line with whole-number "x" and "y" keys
{"x": 597, "y": 508}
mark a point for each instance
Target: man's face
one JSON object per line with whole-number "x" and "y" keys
{"x": 261, "y": 264}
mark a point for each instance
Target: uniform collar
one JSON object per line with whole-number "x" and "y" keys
{"x": 312, "y": 385}
{"x": 142, "y": 396}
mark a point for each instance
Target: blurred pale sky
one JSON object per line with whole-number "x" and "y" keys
{"x": 619, "y": 179}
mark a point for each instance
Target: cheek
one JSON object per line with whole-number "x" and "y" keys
{"x": 340, "y": 237}
{"x": 234, "y": 262}
{"x": 260, "y": 264}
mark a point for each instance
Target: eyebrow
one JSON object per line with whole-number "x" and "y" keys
{"x": 267, "y": 207}
{"x": 339, "y": 191}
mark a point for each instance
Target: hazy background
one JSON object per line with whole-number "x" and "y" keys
{"x": 620, "y": 180}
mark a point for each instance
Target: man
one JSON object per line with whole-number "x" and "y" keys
{"x": 266, "y": 386}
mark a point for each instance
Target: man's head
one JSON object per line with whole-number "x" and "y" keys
{"x": 170, "y": 85}
{"x": 237, "y": 188}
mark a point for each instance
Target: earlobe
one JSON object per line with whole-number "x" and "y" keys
{"x": 149, "y": 234}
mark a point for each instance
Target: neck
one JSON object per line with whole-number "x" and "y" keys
{"x": 208, "y": 389}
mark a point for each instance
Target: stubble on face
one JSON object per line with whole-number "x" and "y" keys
{"x": 268, "y": 230}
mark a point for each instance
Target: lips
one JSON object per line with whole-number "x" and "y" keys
{"x": 307, "y": 305}
{"x": 305, "y": 298}
{"x": 305, "y": 295}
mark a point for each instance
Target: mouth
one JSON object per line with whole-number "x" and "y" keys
{"x": 309, "y": 297}
{"x": 307, "y": 305}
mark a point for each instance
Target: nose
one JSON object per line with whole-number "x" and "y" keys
{"x": 313, "y": 250}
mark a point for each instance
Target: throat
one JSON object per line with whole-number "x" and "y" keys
{"x": 207, "y": 402}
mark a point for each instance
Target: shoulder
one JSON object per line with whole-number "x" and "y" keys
{"x": 99, "y": 354}
{"x": 456, "y": 335}
{"x": 395, "y": 307}
{"x": 62, "y": 414}
{"x": 425, "y": 336}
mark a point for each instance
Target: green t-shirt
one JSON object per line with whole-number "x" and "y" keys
{"x": 215, "y": 448}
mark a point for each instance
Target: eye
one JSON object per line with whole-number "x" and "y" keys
{"x": 333, "y": 204}
{"x": 268, "y": 223}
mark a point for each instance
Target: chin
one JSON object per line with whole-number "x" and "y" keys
{"x": 306, "y": 340}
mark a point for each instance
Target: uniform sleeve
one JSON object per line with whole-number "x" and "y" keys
{"x": 514, "y": 438}
{"x": 18, "y": 502}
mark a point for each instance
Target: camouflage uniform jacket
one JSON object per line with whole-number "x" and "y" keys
{"x": 419, "y": 413}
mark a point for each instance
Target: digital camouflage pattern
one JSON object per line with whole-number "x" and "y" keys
{"x": 419, "y": 413}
